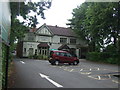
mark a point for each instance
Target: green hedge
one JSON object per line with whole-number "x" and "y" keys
{"x": 4, "y": 50}
{"x": 106, "y": 57}
{"x": 43, "y": 57}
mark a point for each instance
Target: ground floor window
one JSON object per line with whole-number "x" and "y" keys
{"x": 43, "y": 51}
{"x": 24, "y": 50}
{"x": 30, "y": 51}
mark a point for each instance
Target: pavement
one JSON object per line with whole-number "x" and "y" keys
{"x": 30, "y": 73}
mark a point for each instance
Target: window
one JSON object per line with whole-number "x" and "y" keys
{"x": 57, "y": 53}
{"x": 35, "y": 51}
{"x": 69, "y": 55}
{"x": 31, "y": 37}
{"x": 72, "y": 41}
{"x": 62, "y": 54}
{"x": 63, "y": 40}
{"x": 25, "y": 50}
{"x": 31, "y": 51}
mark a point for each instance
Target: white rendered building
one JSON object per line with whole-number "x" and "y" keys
{"x": 41, "y": 40}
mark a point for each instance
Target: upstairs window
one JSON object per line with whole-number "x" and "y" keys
{"x": 63, "y": 40}
{"x": 31, "y": 37}
{"x": 72, "y": 41}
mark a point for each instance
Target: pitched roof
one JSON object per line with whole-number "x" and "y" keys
{"x": 43, "y": 45}
{"x": 61, "y": 31}
{"x": 63, "y": 46}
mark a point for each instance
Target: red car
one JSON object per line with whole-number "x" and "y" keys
{"x": 58, "y": 56}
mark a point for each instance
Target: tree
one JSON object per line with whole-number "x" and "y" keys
{"x": 23, "y": 9}
{"x": 97, "y": 24}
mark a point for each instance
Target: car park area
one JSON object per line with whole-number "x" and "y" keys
{"x": 32, "y": 73}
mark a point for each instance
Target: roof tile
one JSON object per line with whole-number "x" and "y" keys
{"x": 61, "y": 31}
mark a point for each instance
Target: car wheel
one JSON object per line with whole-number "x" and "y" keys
{"x": 56, "y": 62}
{"x": 52, "y": 63}
{"x": 75, "y": 63}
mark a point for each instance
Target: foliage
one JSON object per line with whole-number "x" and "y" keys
{"x": 97, "y": 24}
{"x": 30, "y": 56}
{"x": 41, "y": 57}
{"x": 105, "y": 57}
{"x": 110, "y": 48}
{"x": 23, "y": 9}
{"x": 4, "y": 51}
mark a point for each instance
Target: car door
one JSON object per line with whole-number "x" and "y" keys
{"x": 69, "y": 57}
{"x": 65, "y": 57}
{"x": 62, "y": 57}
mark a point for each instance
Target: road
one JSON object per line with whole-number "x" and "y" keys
{"x": 40, "y": 74}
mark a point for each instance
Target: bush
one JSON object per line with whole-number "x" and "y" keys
{"x": 44, "y": 57}
{"x": 35, "y": 56}
{"x": 106, "y": 57}
{"x": 40, "y": 56}
{"x": 30, "y": 56}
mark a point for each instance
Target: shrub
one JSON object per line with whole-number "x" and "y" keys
{"x": 106, "y": 57}
{"x": 30, "y": 56}
{"x": 35, "y": 56}
{"x": 45, "y": 57}
{"x": 40, "y": 57}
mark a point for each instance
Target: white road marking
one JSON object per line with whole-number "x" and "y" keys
{"x": 109, "y": 76}
{"x": 115, "y": 81}
{"x": 22, "y": 62}
{"x": 65, "y": 68}
{"x": 71, "y": 70}
{"x": 99, "y": 78}
{"x": 87, "y": 73}
{"x": 92, "y": 77}
{"x": 50, "y": 80}
{"x": 90, "y": 69}
{"x": 98, "y": 68}
{"x": 81, "y": 70}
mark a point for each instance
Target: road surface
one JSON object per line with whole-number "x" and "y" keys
{"x": 41, "y": 74}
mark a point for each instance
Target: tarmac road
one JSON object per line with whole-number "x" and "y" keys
{"x": 41, "y": 74}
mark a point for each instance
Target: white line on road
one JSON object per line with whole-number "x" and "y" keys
{"x": 50, "y": 80}
{"x": 90, "y": 69}
{"x": 81, "y": 70}
{"x": 71, "y": 70}
{"x": 115, "y": 81}
{"x": 22, "y": 62}
{"x": 99, "y": 77}
{"x": 109, "y": 76}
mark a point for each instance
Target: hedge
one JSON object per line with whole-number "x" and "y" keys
{"x": 41, "y": 57}
{"x": 4, "y": 50}
{"x": 106, "y": 57}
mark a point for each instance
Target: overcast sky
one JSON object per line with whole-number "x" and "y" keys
{"x": 59, "y": 13}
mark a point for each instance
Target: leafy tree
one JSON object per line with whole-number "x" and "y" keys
{"x": 97, "y": 23}
{"x": 23, "y": 9}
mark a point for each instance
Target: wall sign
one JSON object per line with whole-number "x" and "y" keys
{"x": 5, "y": 21}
